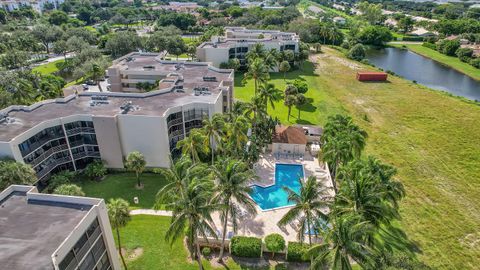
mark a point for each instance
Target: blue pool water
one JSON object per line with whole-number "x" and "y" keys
{"x": 274, "y": 196}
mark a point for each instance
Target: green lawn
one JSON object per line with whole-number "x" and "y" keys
{"x": 450, "y": 61}
{"x": 49, "y": 68}
{"x": 148, "y": 233}
{"x": 122, "y": 185}
{"x": 432, "y": 139}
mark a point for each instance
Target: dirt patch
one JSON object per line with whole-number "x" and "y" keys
{"x": 132, "y": 254}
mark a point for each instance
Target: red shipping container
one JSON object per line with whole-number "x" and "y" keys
{"x": 371, "y": 76}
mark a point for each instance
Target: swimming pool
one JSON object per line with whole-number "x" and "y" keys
{"x": 274, "y": 196}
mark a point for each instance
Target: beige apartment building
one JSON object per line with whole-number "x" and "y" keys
{"x": 68, "y": 133}
{"x": 46, "y": 231}
{"x": 238, "y": 40}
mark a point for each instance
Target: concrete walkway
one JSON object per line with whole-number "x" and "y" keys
{"x": 151, "y": 212}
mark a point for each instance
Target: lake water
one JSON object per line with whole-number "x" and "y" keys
{"x": 425, "y": 71}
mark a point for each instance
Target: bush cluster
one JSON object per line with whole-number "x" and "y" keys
{"x": 296, "y": 252}
{"x": 250, "y": 247}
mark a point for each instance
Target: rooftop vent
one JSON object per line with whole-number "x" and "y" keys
{"x": 201, "y": 91}
{"x": 128, "y": 106}
{"x": 148, "y": 67}
{"x": 179, "y": 66}
{"x": 209, "y": 79}
{"x": 129, "y": 59}
{"x": 98, "y": 100}
{"x": 5, "y": 119}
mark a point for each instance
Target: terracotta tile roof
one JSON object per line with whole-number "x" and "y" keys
{"x": 290, "y": 134}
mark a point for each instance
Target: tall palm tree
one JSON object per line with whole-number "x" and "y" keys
{"x": 213, "y": 129}
{"x": 237, "y": 134}
{"x": 136, "y": 163}
{"x": 269, "y": 94}
{"x": 289, "y": 101}
{"x": 345, "y": 240}
{"x": 256, "y": 52}
{"x": 335, "y": 152}
{"x": 119, "y": 216}
{"x": 343, "y": 127}
{"x": 192, "y": 209}
{"x": 194, "y": 144}
{"x": 258, "y": 71}
{"x": 308, "y": 206}
{"x": 393, "y": 190}
{"x": 96, "y": 73}
{"x": 232, "y": 189}
{"x": 255, "y": 109}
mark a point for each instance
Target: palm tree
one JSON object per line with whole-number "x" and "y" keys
{"x": 269, "y": 94}
{"x": 393, "y": 190}
{"x": 258, "y": 71}
{"x": 324, "y": 32}
{"x": 237, "y": 134}
{"x": 119, "y": 216}
{"x": 289, "y": 102}
{"x": 194, "y": 144}
{"x": 192, "y": 209}
{"x": 308, "y": 206}
{"x": 284, "y": 67}
{"x": 136, "y": 163}
{"x": 232, "y": 181}
{"x": 256, "y": 52}
{"x": 255, "y": 108}
{"x": 335, "y": 152}
{"x": 345, "y": 240}
{"x": 96, "y": 73}
{"x": 213, "y": 129}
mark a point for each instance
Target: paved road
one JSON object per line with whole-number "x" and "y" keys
{"x": 151, "y": 212}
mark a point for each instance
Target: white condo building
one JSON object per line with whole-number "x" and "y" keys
{"x": 238, "y": 40}
{"x": 68, "y": 133}
{"x": 54, "y": 232}
{"x": 37, "y": 5}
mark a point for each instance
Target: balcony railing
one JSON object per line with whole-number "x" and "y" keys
{"x": 86, "y": 154}
{"x": 80, "y": 130}
{"x": 48, "y": 153}
{"x": 34, "y": 146}
{"x": 52, "y": 165}
{"x": 175, "y": 133}
{"x": 174, "y": 122}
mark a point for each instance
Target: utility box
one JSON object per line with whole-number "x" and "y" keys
{"x": 372, "y": 76}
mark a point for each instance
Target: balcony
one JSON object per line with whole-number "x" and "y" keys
{"x": 34, "y": 146}
{"x": 86, "y": 154}
{"x": 175, "y": 133}
{"x": 78, "y": 130}
{"x": 52, "y": 166}
{"x": 174, "y": 122}
{"x": 48, "y": 153}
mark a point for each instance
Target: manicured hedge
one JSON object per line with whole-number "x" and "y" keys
{"x": 296, "y": 252}
{"x": 250, "y": 247}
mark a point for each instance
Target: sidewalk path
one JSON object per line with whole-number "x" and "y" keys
{"x": 151, "y": 212}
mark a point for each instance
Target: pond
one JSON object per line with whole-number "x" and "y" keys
{"x": 425, "y": 71}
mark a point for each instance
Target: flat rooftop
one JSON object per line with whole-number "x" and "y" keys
{"x": 31, "y": 231}
{"x": 155, "y": 103}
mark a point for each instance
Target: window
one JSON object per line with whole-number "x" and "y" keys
{"x": 98, "y": 249}
{"x": 69, "y": 259}
{"x": 88, "y": 263}
{"x": 81, "y": 247}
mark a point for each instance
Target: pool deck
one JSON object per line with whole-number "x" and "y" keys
{"x": 265, "y": 222}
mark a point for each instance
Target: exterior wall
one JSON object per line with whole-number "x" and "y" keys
{"x": 285, "y": 148}
{"x": 108, "y": 141}
{"x": 216, "y": 55}
{"x": 145, "y": 134}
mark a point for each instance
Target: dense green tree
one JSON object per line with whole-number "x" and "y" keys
{"x": 95, "y": 170}
{"x": 375, "y": 35}
{"x": 61, "y": 47}
{"x": 122, "y": 43}
{"x": 372, "y": 13}
{"x": 15, "y": 173}
{"x": 119, "y": 215}
{"x": 14, "y": 59}
{"x": 232, "y": 190}
{"x": 180, "y": 20}
{"x": 357, "y": 52}
{"x": 47, "y": 34}
{"x": 57, "y": 17}
{"x": 448, "y": 47}
{"x": 275, "y": 243}
{"x": 406, "y": 24}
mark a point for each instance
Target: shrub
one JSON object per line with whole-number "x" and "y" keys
{"x": 448, "y": 47}
{"x": 95, "y": 170}
{"x": 250, "y": 247}
{"x": 429, "y": 45}
{"x": 61, "y": 178}
{"x": 296, "y": 252}
{"x": 69, "y": 189}
{"x": 302, "y": 86}
{"x": 275, "y": 243}
{"x": 475, "y": 62}
{"x": 357, "y": 52}
{"x": 206, "y": 251}
{"x": 464, "y": 54}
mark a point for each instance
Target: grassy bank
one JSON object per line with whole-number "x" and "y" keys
{"x": 450, "y": 61}
{"x": 430, "y": 137}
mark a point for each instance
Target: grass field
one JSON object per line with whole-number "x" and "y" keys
{"x": 430, "y": 137}
{"x": 49, "y": 68}
{"x": 450, "y": 61}
{"x": 122, "y": 185}
{"x": 148, "y": 233}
